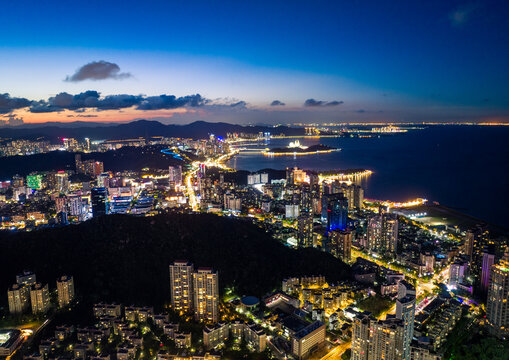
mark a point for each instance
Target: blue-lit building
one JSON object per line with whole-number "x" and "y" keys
{"x": 99, "y": 197}
{"x": 335, "y": 211}
{"x": 120, "y": 204}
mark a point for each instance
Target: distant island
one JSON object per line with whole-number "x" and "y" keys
{"x": 298, "y": 149}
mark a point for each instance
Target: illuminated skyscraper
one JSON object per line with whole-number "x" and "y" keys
{"x": 99, "y": 196}
{"x": 354, "y": 193}
{"x": 27, "y": 278}
{"x": 93, "y": 168}
{"x": 80, "y": 168}
{"x": 292, "y": 211}
{"x": 341, "y": 244}
{"x": 334, "y": 211}
{"x": 383, "y": 233}
{"x": 65, "y": 290}
{"x": 497, "y": 305}
{"x": 305, "y": 230}
{"x": 386, "y": 339}
{"x": 457, "y": 272}
{"x": 405, "y": 311}
{"x": 175, "y": 177}
{"x": 360, "y": 337}
{"x": 39, "y": 297}
{"x": 487, "y": 262}
{"x": 19, "y": 298}
{"x": 376, "y": 339}
{"x": 206, "y": 295}
{"x": 62, "y": 181}
{"x": 181, "y": 285}
{"x": 476, "y": 240}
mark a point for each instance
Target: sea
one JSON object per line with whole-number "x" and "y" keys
{"x": 463, "y": 167}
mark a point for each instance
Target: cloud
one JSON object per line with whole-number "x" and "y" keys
{"x": 98, "y": 70}
{"x": 334, "y": 103}
{"x": 170, "y": 102}
{"x": 315, "y": 103}
{"x": 277, "y": 103}
{"x": 92, "y": 100}
{"x": 15, "y": 121}
{"x": 461, "y": 15}
{"x": 11, "y": 120}
{"x": 8, "y": 103}
{"x": 239, "y": 104}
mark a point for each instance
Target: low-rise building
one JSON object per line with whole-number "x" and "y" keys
{"x": 215, "y": 335}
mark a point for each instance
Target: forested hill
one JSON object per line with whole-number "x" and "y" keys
{"x": 125, "y": 158}
{"x": 125, "y": 259}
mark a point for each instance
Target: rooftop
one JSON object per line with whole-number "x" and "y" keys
{"x": 308, "y": 329}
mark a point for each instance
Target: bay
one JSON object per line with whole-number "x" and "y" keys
{"x": 460, "y": 166}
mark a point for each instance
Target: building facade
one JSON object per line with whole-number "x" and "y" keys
{"x": 206, "y": 295}
{"x": 181, "y": 285}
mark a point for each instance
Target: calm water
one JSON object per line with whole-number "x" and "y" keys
{"x": 464, "y": 167}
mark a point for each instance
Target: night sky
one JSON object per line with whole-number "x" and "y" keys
{"x": 254, "y": 61}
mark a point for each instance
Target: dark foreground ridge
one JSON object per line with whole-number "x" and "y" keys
{"x": 125, "y": 259}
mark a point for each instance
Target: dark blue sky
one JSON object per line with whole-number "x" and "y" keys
{"x": 422, "y": 55}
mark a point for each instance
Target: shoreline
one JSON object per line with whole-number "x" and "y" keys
{"x": 269, "y": 153}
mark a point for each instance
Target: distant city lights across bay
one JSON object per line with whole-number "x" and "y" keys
{"x": 218, "y": 180}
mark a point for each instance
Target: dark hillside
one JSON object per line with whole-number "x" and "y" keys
{"x": 125, "y": 258}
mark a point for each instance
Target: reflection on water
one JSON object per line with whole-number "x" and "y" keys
{"x": 442, "y": 163}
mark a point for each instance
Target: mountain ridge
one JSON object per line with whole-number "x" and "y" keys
{"x": 139, "y": 128}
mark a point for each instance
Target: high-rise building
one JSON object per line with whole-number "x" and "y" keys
{"x": 306, "y": 199}
{"x": 80, "y": 168}
{"x": 335, "y": 211}
{"x": 476, "y": 240}
{"x": 487, "y": 261}
{"x": 291, "y": 211}
{"x": 99, "y": 196}
{"x": 232, "y": 202}
{"x": 497, "y": 305}
{"x": 27, "y": 278}
{"x": 295, "y": 176}
{"x": 423, "y": 353}
{"x": 17, "y": 181}
{"x": 175, "y": 177}
{"x": 65, "y": 290}
{"x": 181, "y": 285}
{"x": 39, "y": 297}
{"x": 405, "y": 311}
{"x": 62, "y": 181}
{"x": 307, "y": 340}
{"x": 305, "y": 230}
{"x": 427, "y": 263}
{"x": 93, "y": 168}
{"x": 360, "y": 337}
{"x": 354, "y": 193}
{"x": 253, "y": 179}
{"x": 75, "y": 205}
{"x": 61, "y": 204}
{"x": 103, "y": 180}
{"x": 341, "y": 244}
{"x": 206, "y": 295}
{"x": 457, "y": 272}
{"x": 386, "y": 339}
{"x": 382, "y": 233}
{"x": 18, "y": 298}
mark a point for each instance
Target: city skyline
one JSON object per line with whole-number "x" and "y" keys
{"x": 255, "y": 63}
{"x": 254, "y": 180}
